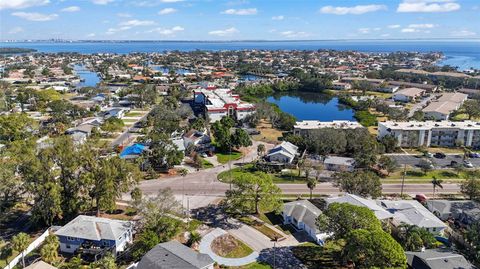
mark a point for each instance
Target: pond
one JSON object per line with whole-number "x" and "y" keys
{"x": 312, "y": 106}
{"x": 89, "y": 78}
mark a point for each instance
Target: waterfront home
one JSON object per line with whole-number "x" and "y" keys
{"x": 341, "y": 86}
{"x": 436, "y": 259}
{"x": 413, "y": 213}
{"x": 431, "y": 133}
{"x": 339, "y": 164}
{"x": 307, "y": 126}
{"x": 283, "y": 153}
{"x": 173, "y": 254}
{"x": 94, "y": 235}
{"x": 303, "y": 215}
{"x": 408, "y": 95}
{"x": 464, "y": 211}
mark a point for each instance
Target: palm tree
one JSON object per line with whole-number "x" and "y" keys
{"x": 183, "y": 172}
{"x": 194, "y": 238}
{"x": 49, "y": 251}
{"x": 436, "y": 183}
{"x": 261, "y": 150}
{"x": 311, "y": 184}
{"x": 20, "y": 243}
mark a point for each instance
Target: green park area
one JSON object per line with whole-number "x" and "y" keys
{"x": 286, "y": 177}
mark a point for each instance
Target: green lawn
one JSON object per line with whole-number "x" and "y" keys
{"x": 440, "y": 173}
{"x": 259, "y": 226}
{"x": 249, "y": 168}
{"x": 242, "y": 250}
{"x": 225, "y": 158}
{"x": 134, "y": 114}
{"x": 254, "y": 265}
{"x": 206, "y": 164}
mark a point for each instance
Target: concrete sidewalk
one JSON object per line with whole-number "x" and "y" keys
{"x": 205, "y": 248}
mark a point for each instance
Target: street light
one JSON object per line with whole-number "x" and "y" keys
{"x": 274, "y": 240}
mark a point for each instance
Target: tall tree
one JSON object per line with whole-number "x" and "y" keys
{"x": 342, "y": 218}
{"x": 311, "y": 184}
{"x": 261, "y": 150}
{"x": 49, "y": 250}
{"x": 240, "y": 138}
{"x": 471, "y": 188}
{"x": 373, "y": 249}
{"x": 252, "y": 193}
{"x": 414, "y": 238}
{"x": 20, "y": 242}
{"x": 363, "y": 183}
{"x": 387, "y": 163}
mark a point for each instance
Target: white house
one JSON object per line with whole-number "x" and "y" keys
{"x": 339, "y": 164}
{"x": 283, "y": 153}
{"x": 408, "y": 94}
{"x": 303, "y": 215}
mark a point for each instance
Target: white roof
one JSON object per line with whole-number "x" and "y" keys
{"x": 353, "y": 199}
{"x": 413, "y": 213}
{"x": 94, "y": 228}
{"x": 411, "y": 92}
{"x": 428, "y": 125}
{"x": 337, "y": 124}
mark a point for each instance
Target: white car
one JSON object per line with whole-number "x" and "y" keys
{"x": 467, "y": 164}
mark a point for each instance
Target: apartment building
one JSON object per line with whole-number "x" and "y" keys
{"x": 219, "y": 103}
{"x": 431, "y": 133}
{"x": 306, "y": 126}
{"x": 441, "y": 108}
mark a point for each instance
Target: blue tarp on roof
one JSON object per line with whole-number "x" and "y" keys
{"x": 135, "y": 149}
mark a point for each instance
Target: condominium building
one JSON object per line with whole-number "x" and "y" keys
{"x": 431, "y": 133}
{"x": 306, "y": 126}
{"x": 441, "y": 108}
{"x": 219, "y": 103}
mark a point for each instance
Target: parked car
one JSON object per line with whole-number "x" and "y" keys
{"x": 474, "y": 155}
{"x": 453, "y": 163}
{"x": 440, "y": 155}
{"x": 467, "y": 164}
{"x": 428, "y": 154}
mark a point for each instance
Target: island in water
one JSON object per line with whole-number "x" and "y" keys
{"x": 16, "y": 50}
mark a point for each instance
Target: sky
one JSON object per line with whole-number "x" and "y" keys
{"x": 238, "y": 19}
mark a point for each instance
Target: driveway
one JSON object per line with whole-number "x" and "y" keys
{"x": 205, "y": 248}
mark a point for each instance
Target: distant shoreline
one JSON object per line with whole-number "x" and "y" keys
{"x": 243, "y": 41}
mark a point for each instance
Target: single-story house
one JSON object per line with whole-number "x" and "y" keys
{"x": 80, "y": 133}
{"x": 283, "y": 153}
{"x": 116, "y": 112}
{"x": 341, "y": 86}
{"x": 94, "y": 235}
{"x": 303, "y": 215}
{"x": 437, "y": 259}
{"x": 413, "y": 213}
{"x": 466, "y": 211}
{"x": 335, "y": 163}
{"x": 353, "y": 199}
{"x": 194, "y": 137}
{"x": 175, "y": 255}
{"x": 408, "y": 94}
{"x": 133, "y": 151}
{"x": 388, "y": 89}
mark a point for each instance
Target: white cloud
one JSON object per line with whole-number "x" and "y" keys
{"x": 463, "y": 33}
{"x": 171, "y": 1}
{"x": 385, "y": 35}
{"x": 245, "y": 11}
{"x": 278, "y": 18}
{"x": 428, "y": 6}
{"x": 422, "y": 26}
{"x": 364, "y": 30}
{"x": 34, "y": 16}
{"x": 226, "y": 32}
{"x": 166, "y": 31}
{"x": 294, "y": 34}
{"x": 356, "y": 10}
{"x": 91, "y": 35}
{"x": 410, "y": 30}
{"x": 71, "y": 9}
{"x": 124, "y": 15}
{"x": 112, "y": 31}
{"x": 102, "y": 2}
{"x": 136, "y": 23}
{"x": 16, "y": 30}
{"x": 394, "y": 26}
{"x": 167, "y": 10}
{"x": 19, "y": 4}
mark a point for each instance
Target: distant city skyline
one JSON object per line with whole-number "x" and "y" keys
{"x": 214, "y": 20}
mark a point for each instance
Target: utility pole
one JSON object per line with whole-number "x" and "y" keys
{"x": 274, "y": 240}
{"x": 403, "y": 179}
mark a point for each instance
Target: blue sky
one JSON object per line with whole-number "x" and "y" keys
{"x": 238, "y": 19}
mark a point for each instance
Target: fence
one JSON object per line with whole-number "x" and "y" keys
{"x": 35, "y": 244}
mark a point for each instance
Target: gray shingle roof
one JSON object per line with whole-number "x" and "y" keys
{"x": 436, "y": 259}
{"x": 174, "y": 255}
{"x": 93, "y": 228}
{"x": 304, "y": 211}
{"x": 413, "y": 213}
{"x": 353, "y": 199}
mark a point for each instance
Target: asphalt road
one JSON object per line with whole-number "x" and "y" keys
{"x": 414, "y": 160}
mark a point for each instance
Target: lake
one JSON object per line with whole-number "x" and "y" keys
{"x": 312, "y": 106}
{"x": 90, "y": 79}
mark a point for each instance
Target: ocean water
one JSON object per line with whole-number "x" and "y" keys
{"x": 462, "y": 53}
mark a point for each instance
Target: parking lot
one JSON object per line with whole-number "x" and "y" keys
{"x": 414, "y": 160}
